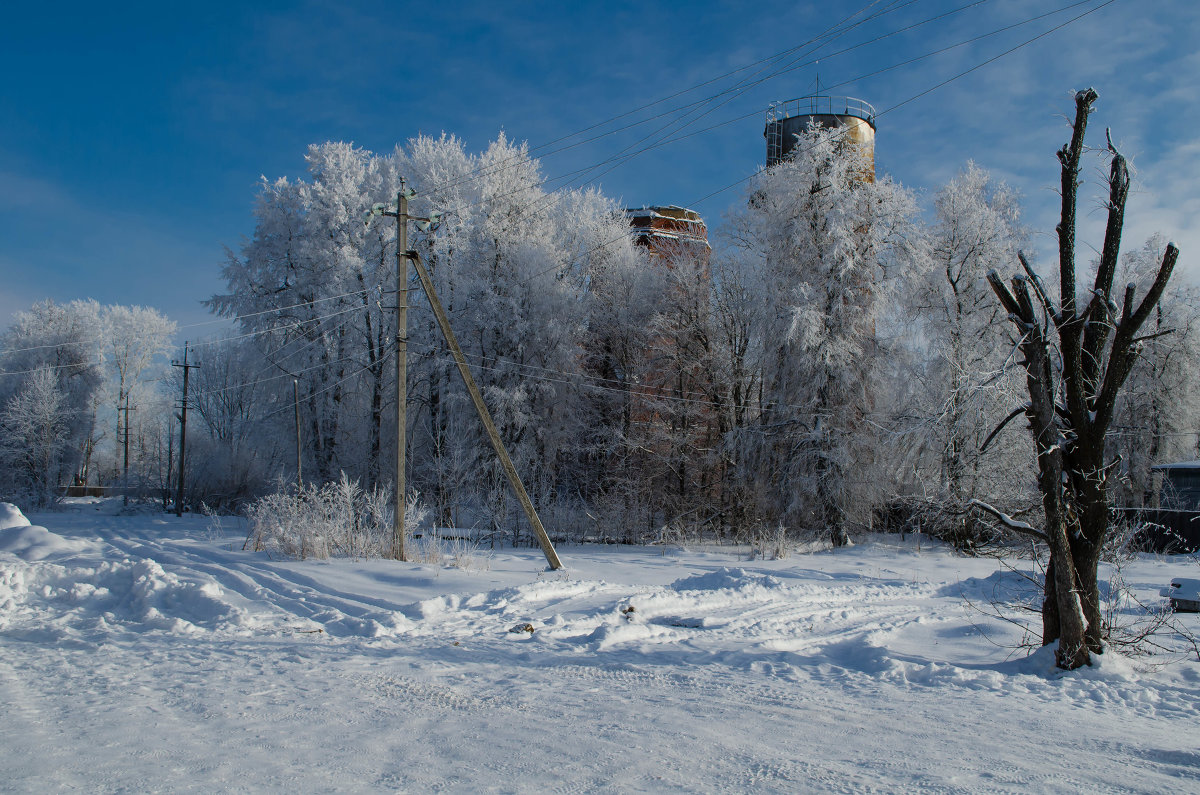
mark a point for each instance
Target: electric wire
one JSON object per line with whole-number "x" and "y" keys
{"x": 9, "y": 351}
{"x": 943, "y": 83}
{"x": 103, "y": 359}
{"x": 481, "y": 172}
{"x": 748, "y": 178}
{"x": 389, "y": 350}
{"x": 625, "y": 155}
{"x": 241, "y": 316}
{"x": 885, "y": 69}
{"x": 561, "y": 266}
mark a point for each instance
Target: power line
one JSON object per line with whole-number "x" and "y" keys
{"x": 241, "y": 316}
{"x": 947, "y": 81}
{"x": 482, "y": 171}
{"x": 998, "y": 57}
{"x": 103, "y": 359}
{"x": 390, "y": 349}
{"x": 877, "y": 72}
{"x": 624, "y": 156}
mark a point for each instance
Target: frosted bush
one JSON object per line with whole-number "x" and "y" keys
{"x": 337, "y": 519}
{"x": 455, "y": 552}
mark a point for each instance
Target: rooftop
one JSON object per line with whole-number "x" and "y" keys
{"x": 821, "y": 105}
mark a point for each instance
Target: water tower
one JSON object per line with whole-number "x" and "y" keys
{"x": 786, "y": 120}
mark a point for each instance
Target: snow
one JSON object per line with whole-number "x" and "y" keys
{"x": 145, "y": 652}
{"x": 30, "y": 542}
{"x": 11, "y": 516}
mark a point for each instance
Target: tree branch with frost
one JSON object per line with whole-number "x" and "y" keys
{"x": 1016, "y": 525}
{"x": 1040, "y": 289}
{"x": 1012, "y": 416}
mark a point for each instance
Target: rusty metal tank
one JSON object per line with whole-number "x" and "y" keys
{"x": 786, "y": 120}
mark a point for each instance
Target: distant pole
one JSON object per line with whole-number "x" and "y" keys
{"x": 125, "y": 467}
{"x": 166, "y": 494}
{"x": 183, "y": 409}
{"x": 296, "y": 406}
{"x": 401, "y": 364}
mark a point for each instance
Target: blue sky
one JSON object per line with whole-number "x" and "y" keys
{"x": 133, "y": 135}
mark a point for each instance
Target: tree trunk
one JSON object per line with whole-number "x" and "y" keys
{"x": 1050, "y": 624}
{"x": 1072, "y": 398}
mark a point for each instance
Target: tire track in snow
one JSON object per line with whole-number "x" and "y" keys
{"x": 288, "y": 595}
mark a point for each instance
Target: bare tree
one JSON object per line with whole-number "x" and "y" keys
{"x": 1077, "y": 356}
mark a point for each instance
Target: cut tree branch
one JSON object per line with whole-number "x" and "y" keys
{"x": 1016, "y": 525}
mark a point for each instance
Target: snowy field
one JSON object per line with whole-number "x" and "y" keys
{"x": 145, "y": 653}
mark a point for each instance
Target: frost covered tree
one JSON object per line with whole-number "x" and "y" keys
{"x": 512, "y": 264}
{"x": 67, "y": 339}
{"x": 34, "y": 434}
{"x": 963, "y": 383}
{"x": 977, "y": 226}
{"x": 624, "y": 296}
{"x": 100, "y": 355}
{"x": 309, "y": 285}
{"x": 737, "y": 323}
{"x": 834, "y": 247}
{"x": 1078, "y": 351}
{"x": 1156, "y": 417}
{"x": 682, "y": 376}
{"x": 135, "y": 342}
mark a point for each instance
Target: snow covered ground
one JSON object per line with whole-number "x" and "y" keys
{"x": 146, "y": 653}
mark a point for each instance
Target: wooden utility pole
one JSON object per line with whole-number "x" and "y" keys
{"x": 484, "y": 416}
{"x": 183, "y": 408}
{"x": 296, "y": 407}
{"x": 402, "y": 256}
{"x": 166, "y": 493}
{"x": 401, "y": 364}
{"x": 125, "y": 467}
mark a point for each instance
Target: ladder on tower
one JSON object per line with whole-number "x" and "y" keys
{"x": 774, "y": 133}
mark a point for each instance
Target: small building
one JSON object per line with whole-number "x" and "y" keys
{"x": 670, "y": 231}
{"x": 1175, "y": 525}
{"x": 1180, "y": 488}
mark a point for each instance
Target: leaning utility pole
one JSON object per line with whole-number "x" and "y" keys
{"x": 403, "y": 255}
{"x": 183, "y": 407}
{"x": 484, "y": 416}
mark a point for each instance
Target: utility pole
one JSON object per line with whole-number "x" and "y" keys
{"x": 125, "y": 467}
{"x": 402, "y": 256}
{"x": 183, "y": 408}
{"x": 398, "y": 530}
{"x": 166, "y": 494}
{"x": 296, "y": 406}
{"x": 485, "y": 417}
